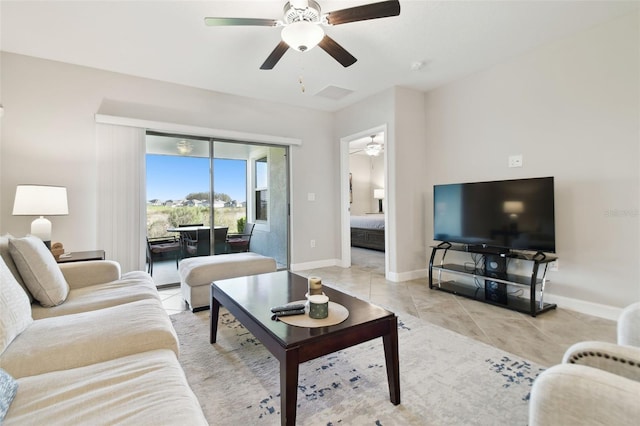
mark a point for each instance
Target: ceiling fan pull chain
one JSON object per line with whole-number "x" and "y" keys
{"x": 301, "y": 76}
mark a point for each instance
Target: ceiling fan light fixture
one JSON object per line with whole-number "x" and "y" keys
{"x": 302, "y": 36}
{"x": 373, "y": 149}
{"x": 184, "y": 147}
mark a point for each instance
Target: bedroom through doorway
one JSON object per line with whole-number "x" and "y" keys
{"x": 367, "y": 201}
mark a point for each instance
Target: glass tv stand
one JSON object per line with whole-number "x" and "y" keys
{"x": 485, "y": 277}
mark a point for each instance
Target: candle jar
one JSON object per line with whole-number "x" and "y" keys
{"x": 315, "y": 286}
{"x": 318, "y": 306}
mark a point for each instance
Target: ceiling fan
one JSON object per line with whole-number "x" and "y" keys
{"x": 372, "y": 149}
{"x": 302, "y": 27}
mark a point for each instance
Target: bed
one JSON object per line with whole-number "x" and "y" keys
{"x": 368, "y": 231}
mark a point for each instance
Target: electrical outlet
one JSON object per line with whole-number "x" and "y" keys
{"x": 313, "y": 243}
{"x": 553, "y": 266}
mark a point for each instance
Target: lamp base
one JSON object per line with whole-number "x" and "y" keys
{"x": 380, "y": 206}
{"x": 41, "y": 228}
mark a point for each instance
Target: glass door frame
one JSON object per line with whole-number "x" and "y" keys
{"x": 250, "y": 211}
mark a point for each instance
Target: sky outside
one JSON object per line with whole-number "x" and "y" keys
{"x": 174, "y": 177}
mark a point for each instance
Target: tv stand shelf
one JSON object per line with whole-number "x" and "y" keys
{"x": 496, "y": 279}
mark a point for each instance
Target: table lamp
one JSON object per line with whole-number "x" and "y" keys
{"x": 41, "y": 200}
{"x": 378, "y": 194}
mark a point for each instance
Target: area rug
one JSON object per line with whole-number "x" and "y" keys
{"x": 445, "y": 379}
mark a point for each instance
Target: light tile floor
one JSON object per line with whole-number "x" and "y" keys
{"x": 542, "y": 339}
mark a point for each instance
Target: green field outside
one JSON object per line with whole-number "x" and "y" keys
{"x": 159, "y": 218}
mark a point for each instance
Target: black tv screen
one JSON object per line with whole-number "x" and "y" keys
{"x": 510, "y": 214}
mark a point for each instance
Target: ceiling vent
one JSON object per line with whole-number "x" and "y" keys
{"x": 334, "y": 92}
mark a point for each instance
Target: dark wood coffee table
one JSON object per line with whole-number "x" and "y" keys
{"x": 249, "y": 299}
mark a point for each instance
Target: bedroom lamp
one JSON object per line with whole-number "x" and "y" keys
{"x": 513, "y": 208}
{"x": 41, "y": 200}
{"x": 378, "y": 194}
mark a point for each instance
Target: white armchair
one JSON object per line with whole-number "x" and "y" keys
{"x": 629, "y": 326}
{"x": 597, "y": 383}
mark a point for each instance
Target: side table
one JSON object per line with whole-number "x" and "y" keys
{"x": 81, "y": 256}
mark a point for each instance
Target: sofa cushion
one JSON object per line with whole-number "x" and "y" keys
{"x": 8, "y": 260}
{"x": 142, "y": 389}
{"x": 39, "y": 270}
{"x": 133, "y": 286}
{"x": 8, "y": 389}
{"x": 15, "y": 309}
{"x": 76, "y": 340}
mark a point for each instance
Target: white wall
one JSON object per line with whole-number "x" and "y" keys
{"x": 376, "y": 180}
{"x": 48, "y": 136}
{"x": 407, "y": 193}
{"x": 367, "y": 175}
{"x": 402, "y": 111}
{"x": 360, "y": 169}
{"x": 373, "y": 112}
{"x": 572, "y": 110}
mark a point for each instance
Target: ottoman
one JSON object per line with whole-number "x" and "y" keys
{"x": 197, "y": 274}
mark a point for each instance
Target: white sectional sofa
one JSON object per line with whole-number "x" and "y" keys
{"x": 81, "y": 343}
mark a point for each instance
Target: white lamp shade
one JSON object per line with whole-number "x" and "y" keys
{"x": 302, "y": 35}
{"x": 378, "y": 194}
{"x": 40, "y": 200}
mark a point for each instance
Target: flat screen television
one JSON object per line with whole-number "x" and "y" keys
{"x": 506, "y": 214}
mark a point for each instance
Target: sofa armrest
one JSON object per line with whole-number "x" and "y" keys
{"x": 629, "y": 326}
{"x": 92, "y": 272}
{"x": 568, "y": 394}
{"x": 621, "y": 360}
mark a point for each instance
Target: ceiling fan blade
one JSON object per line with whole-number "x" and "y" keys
{"x": 216, "y": 22}
{"x": 362, "y": 13}
{"x": 338, "y": 52}
{"x": 275, "y": 56}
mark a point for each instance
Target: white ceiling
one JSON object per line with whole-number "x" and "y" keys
{"x": 168, "y": 41}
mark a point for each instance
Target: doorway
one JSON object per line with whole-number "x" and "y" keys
{"x": 364, "y": 183}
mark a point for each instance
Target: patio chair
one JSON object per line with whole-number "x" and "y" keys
{"x": 158, "y": 248}
{"x": 199, "y": 245}
{"x": 189, "y": 240}
{"x": 220, "y": 240}
{"x": 237, "y": 243}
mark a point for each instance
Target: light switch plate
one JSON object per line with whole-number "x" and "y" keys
{"x": 515, "y": 161}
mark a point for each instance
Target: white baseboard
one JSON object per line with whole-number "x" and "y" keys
{"x": 408, "y": 276}
{"x": 313, "y": 265}
{"x": 582, "y": 306}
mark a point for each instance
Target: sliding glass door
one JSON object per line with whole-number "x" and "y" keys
{"x": 221, "y": 186}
